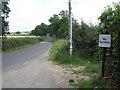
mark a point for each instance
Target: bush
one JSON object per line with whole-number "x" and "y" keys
{"x": 63, "y": 57}
{"x": 71, "y": 80}
{"x": 60, "y": 54}
{"x": 112, "y": 26}
{"x": 11, "y": 44}
{"x": 85, "y": 41}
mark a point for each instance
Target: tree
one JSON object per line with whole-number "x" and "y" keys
{"x": 59, "y": 24}
{"x": 18, "y": 32}
{"x": 40, "y": 30}
{"x": 4, "y": 14}
{"x": 112, "y": 18}
{"x": 54, "y": 25}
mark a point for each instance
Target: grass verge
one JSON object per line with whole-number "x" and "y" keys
{"x": 92, "y": 83}
{"x": 60, "y": 55}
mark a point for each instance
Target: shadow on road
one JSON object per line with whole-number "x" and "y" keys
{"x": 48, "y": 39}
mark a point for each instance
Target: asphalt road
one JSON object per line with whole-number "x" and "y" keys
{"x": 15, "y": 59}
{"x": 28, "y": 68}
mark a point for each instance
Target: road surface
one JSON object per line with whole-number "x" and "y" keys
{"x": 28, "y": 68}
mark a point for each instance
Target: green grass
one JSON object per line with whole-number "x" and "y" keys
{"x": 57, "y": 45}
{"x": 60, "y": 55}
{"x": 93, "y": 67}
{"x": 91, "y": 83}
{"x": 11, "y": 44}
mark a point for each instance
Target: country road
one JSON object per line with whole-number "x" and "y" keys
{"x": 14, "y": 60}
{"x": 28, "y": 68}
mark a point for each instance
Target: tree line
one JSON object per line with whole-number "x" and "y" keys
{"x": 58, "y": 26}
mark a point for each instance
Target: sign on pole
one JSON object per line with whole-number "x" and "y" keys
{"x": 104, "y": 40}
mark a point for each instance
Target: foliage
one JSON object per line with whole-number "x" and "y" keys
{"x": 5, "y": 14}
{"x": 59, "y": 54}
{"x": 111, "y": 18}
{"x": 95, "y": 83}
{"x": 85, "y": 39}
{"x": 59, "y": 25}
{"x": 91, "y": 69}
{"x": 17, "y": 32}
{"x": 57, "y": 45}
{"x": 11, "y": 44}
{"x": 71, "y": 80}
{"x": 40, "y": 30}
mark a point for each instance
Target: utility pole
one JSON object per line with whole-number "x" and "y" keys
{"x": 70, "y": 26}
{"x": 119, "y": 3}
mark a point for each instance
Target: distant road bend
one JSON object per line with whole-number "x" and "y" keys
{"x": 28, "y": 68}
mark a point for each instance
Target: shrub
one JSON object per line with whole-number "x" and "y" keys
{"x": 16, "y": 43}
{"x": 71, "y": 80}
{"x": 85, "y": 40}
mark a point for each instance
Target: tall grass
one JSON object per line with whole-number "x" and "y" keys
{"x": 11, "y": 44}
{"x": 57, "y": 45}
{"x": 93, "y": 83}
{"x": 60, "y": 54}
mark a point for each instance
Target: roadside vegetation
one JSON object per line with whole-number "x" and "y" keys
{"x": 85, "y": 47}
{"x": 60, "y": 55}
{"x": 11, "y": 44}
{"x": 92, "y": 83}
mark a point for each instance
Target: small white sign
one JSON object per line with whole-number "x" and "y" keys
{"x": 104, "y": 40}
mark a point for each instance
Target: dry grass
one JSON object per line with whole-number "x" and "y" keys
{"x": 19, "y": 36}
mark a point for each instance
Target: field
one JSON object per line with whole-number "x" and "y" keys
{"x": 13, "y": 36}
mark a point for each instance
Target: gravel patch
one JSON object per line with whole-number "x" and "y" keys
{"x": 62, "y": 74}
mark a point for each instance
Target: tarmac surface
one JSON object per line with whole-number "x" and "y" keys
{"x": 28, "y": 68}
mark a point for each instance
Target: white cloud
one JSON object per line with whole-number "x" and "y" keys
{"x": 26, "y": 14}
{"x": 90, "y": 9}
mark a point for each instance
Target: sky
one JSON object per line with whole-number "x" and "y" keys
{"x": 26, "y": 14}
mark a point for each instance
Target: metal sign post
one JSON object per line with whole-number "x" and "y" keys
{"x": 103, "y": 62}
{"x": 70, "y": 26}
{"x": 104, "y": 42}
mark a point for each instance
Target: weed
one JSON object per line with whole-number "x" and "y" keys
{"x": 91, "y": 83}
{"x": 71, "y": 80}
{"x": 92, "y": 67}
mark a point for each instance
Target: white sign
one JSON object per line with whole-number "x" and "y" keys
{"x": 104, "y": 40}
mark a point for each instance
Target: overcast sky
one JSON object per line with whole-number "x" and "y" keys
{"x": 26, "y": 14}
